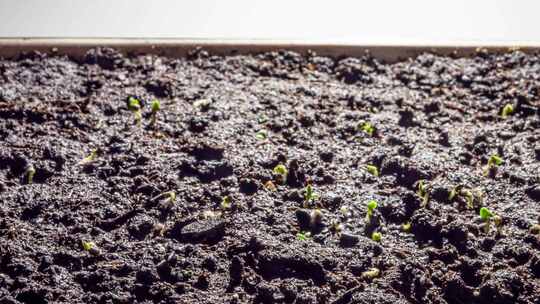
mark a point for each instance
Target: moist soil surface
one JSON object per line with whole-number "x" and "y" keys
{"x": 103, "y": 202}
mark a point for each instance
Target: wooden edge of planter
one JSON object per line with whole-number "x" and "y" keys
{"x": 77, "y": 47}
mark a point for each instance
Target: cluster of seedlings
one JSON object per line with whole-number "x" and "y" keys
{"x": 372, "y": 221}
{"x": 135, "y": 106}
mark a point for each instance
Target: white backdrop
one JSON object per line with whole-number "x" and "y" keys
{"x": 381, "y": 21}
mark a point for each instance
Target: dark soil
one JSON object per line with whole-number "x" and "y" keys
{"x": 224, "y": 124}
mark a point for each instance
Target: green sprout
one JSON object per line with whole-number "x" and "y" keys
{"x": 423, "y": 193}
{"x": 373, "y": 170}
{"x": 90, "y": 158}
{"x": 493, "y": 162}
{"x": 281, "y": 171}
{"x": 368, "y": 128}
{"x": 309, "y": 194}
{"x": 406, "y": 227}
{"x": 486, "y": 215}
{"x": 507, "y": 110}
{"x": 303, "y": 235}
{"x": 226, "y": 202}
{"x": 134, "y": 105}
{"x": 30, "y": 172}
{"x": 87, "y": 246}
{"x": 156, "y": 106}
{"x": 261, "y": 135}
{"x": 371, "y": 206}
{"x": 371, "y": 274}
{"x": 376, "y": 236}
{"x": 90, "y": 247}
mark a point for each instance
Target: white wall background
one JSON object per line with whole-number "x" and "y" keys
{"x": 377, "y": 21}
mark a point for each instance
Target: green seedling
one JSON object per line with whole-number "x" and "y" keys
{"x": 156, "y": 106}
{"x": 282, "y": 172}
{"x": 371, "y": 274}
{"x": 87, "y": 246}
{"x": 507, "y": 110}
{"x": 376, "y": 236}
{"x": 303, "y": 235}
{"x": 309, "y": 194}
{"x": 406, "y": 227}
{"x": 90, "y": 247}
{"x": 134, "y": 105}
{"x": 423, "y": 193}
{"x": 371, "y": 206}
{"x": 486, "y": 215}
{"x": 493, "y": 162}
{"x": 225, "y": 202}
{"x": 30, "y": 173}
{"x": 90, "y": 158}
{"x": 368, "y": 128}
{"x": 373, "y": 170}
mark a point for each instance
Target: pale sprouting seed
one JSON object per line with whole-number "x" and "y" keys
{"x": 373, "y": 170}
{"x": 90, "y": 158}
{"x": 371, "y": 273}
{"x": 376, "y": 236}
{"x": 30, "y": 173}
{"x": 507, "y": 110}
{"x": 226, "y": 203}
{"x": 406, "y": 227}
{"x": 261, "y": 135}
